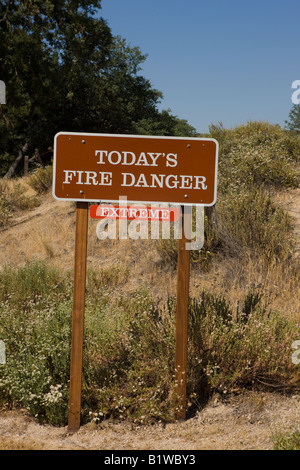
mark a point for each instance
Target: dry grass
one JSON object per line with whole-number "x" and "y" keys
{"x": 279, "y": 283}
{"x": 14, "y": 444}
{"x": 245, "y": 422}
{"x": 47, "y": 233}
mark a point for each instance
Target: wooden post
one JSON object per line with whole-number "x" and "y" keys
{"x": 26, "y": 159}
{"x": 78, "y": 316}
{"x": 183, "y": 274}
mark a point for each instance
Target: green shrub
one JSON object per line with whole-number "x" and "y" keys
{"x": 256, "y": 154}
{"x": 41, "y": 179}
{"x": 254, "y": 160}
{"x": 12, "y": 198}
{"x": 287, "y": 441}
{"x": 234, "y": 350}
{"x": 129, "y": 347}
{"x": 35, "y": 313}
{"x": 254, "y": 221}
{"x": 5, "y": 212}
{"x": 30, "y": 283}
{"x": 129, "y": 371}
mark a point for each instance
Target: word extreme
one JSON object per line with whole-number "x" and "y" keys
{"x": 132, "y": 213}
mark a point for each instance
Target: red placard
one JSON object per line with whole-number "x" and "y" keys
{"x": 133, "y": 213}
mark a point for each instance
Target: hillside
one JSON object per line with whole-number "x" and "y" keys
{"x": 47, "y": 232}
{"x": 230, "y": 268}
{"x": 244, "y": 422}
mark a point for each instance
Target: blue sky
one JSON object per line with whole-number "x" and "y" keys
{"x": 215, "y": 60}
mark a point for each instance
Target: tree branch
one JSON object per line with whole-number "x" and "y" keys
{"x": 17, "y": 163}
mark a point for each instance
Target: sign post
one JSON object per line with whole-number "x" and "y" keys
{"x": 146, "y": 169}
{"x": 183, "y": 277}
{"x": 81, "y": 232}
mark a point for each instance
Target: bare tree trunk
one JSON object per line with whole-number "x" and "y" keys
{"x": 210, "y": 212}
{"x": 26, "y": 160}
{"x": 17, "y": 163}
{"x": 37, "y": 157}
{"x": 212, "y": 215}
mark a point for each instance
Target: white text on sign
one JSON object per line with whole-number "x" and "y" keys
{"x": 104, "y": 178}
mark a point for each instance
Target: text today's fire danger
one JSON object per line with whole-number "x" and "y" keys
{"x": 149, "y": 169}
{"x": 104, "y": 178}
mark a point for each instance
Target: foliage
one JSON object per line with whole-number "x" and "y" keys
{"x": 287, "y": 441}
{"x": 293, "y": 124}
{"x": 255, "y": 160}
{"x": 254, "y": 221}
{"x": 256, "y": 154}
{"x": 41, "y": 179}
{"x": 37, "y": 41}
{"x": 12, "y": 198}
{"x": 129, "y": 347}
{"x": 231, "y": 350}
{"x": 35, "y": 326}
{"x": 165, "y": 123}
{"x": 64, "y": 70}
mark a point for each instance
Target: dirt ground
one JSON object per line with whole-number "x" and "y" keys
{"x": 247, "y": 422}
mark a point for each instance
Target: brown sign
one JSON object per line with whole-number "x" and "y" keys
{"x": 105, "y": 167}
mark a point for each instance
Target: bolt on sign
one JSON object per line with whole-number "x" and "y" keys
{"x": 176, "y": 170}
